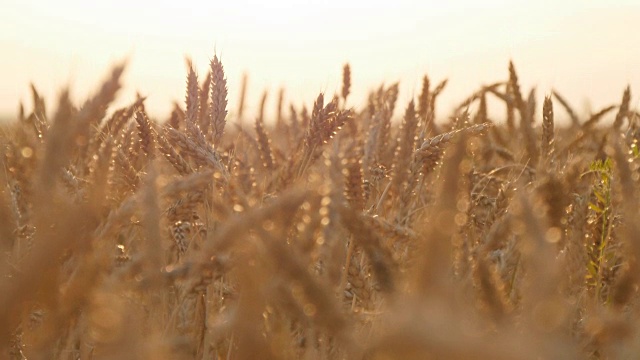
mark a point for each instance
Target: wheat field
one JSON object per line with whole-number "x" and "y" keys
{"x": 320, "y": 231}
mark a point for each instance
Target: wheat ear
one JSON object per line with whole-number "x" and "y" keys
{"x": 548, "y": 146}
{"x": 623, "y": 109}
{"x": 218, "y": 111}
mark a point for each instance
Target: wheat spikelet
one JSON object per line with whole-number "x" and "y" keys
{"x": 263, "y": 103}
{"x": 370, "y": 156}
{"x": 116, "y": 122}
{"x": 424, "y": 160}
{"x": 547, "y": 145}
{"x": 91, "y": 114}
{"x": 264, "y": 145}
{"x": 531, "y": 107}
{"x": 319, "y": 117}
{"x": 204, "y": 113}
{"x": 131, "y": 144}
{"x": 526, "y": 124}
{"x": 184, "y": 222}
{"x": 122, "y": 166}
{"x": 385, "y": 105}
{"x": 120, "y": 177}
{"x": 324, "y": 123}
{"x": 354, "y": 190}
{"x": 202, "y": 155}
{"x": 192, "y": 103}
{"x": 295, "y": 129}
{"x": 40, "y": 121}
{"x": 145, "y": 133}
{"x": 432, "y": 103}
{"x": 510, "y": 107}
{"x": 346, "y": 82}
{"x": 21, "y": 211}
{"x": 515, "y": 93}
{"x": 430, "y": 151}
{"x": 279, "y": 105}
{"x": 359, "y": 288}
{"x": 94, "y": 109}
{"x": 423, "y": 99}
{"x": 197, "y": 134}
{"x": 100, "y": 168}
{"x": 57, "y": 145}
{"x": 482, "y": 115}
{"x": 383, "y": 133}
{"x": 170, "y": 153}
{"x": 623, "y": 109}
{"x": 406, "y": 144}
{"x": 305, "y": 118}
{"x": 391, "y": 98}
{"x": 218, "y": 110}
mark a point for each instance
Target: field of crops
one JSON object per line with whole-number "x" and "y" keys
{"x": 320, "y": 232}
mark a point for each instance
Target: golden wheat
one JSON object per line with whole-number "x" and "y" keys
{"x": 334, "y": 233}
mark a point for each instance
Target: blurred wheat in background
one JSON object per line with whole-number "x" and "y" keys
{"x": 320, "y": 231}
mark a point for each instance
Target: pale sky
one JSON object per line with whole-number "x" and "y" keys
{"x": 586, "y": 49}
